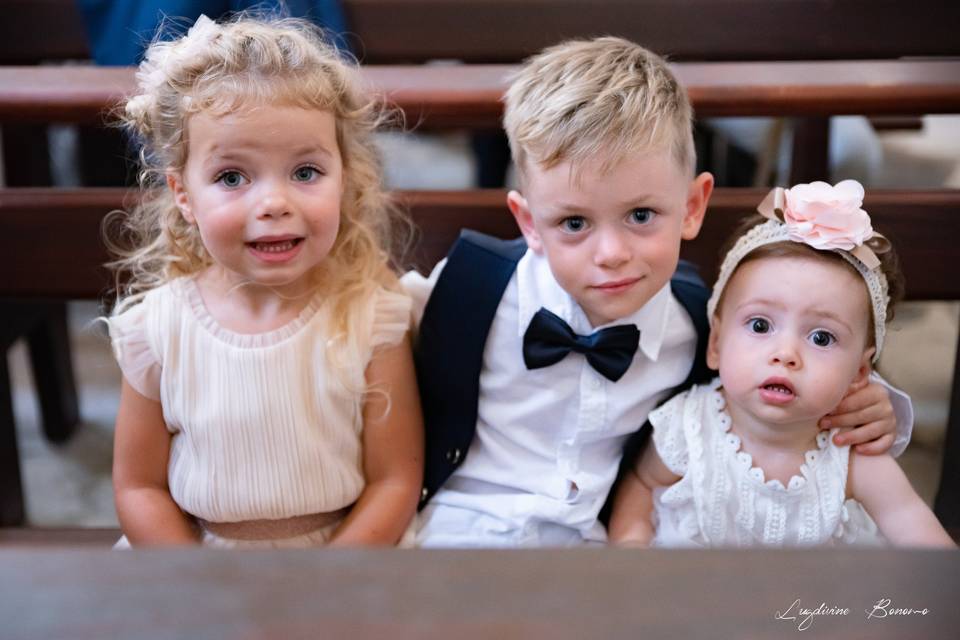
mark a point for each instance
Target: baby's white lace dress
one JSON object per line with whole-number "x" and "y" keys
{"x": 722, "y": 500}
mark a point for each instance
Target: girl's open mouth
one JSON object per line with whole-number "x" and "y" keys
{"x": 275, "y": 250}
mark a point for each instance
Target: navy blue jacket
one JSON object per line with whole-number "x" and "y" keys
{"x": 453, "y": 335}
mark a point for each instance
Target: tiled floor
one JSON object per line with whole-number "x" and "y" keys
{"x": 69, "y": 485}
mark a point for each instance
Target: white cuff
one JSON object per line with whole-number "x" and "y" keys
{"x": 902, "y": 411}
{"x": 419, "y": 290}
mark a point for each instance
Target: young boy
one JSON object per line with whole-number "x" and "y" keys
{"x": 524, "y": 438}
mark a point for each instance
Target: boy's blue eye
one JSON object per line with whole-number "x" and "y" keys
{"x": 305, "y": 173}
{"x": 573, "y": 224}
{"x": 758, "y": 325}
{"x": 231, "y": 179}
{"x": 641, "y": 215}
{"x": 822, "y": 338}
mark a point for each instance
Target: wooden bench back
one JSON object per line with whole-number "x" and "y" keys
{"x": 484, "y": 31}
{"x": 51, "y": 246}
{"x": 470, "y": 96}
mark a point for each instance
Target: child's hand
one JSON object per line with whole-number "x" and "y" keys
{"x": 868, "y": 410}
{"x": 632, "y": 543}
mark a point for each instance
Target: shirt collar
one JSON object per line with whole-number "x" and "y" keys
{"x": 536, "y": 288}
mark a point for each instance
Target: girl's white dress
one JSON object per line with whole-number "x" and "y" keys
{"x": 723, "y": 500}
{"x": 264, "y": 426}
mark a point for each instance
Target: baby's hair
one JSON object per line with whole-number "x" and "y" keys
{"x": 605, "y": 98}
{"x": 889, "y": 262}
{"x": 216, "y": 69}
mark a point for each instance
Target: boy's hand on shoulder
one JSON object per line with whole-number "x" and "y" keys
{"x": 867, "y": 415}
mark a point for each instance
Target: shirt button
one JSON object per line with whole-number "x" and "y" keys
{"x": 453, "y": 456}
{"x": 595, "y": 383}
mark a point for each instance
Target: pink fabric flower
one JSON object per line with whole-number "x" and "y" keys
{"x": 826, "y": 217}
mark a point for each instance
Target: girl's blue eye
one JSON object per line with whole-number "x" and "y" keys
{"x": 305, "y": 174}
{"x": 822, "y": 338}
{"x": 641, "y": 215}
{"x": 758, "y": 325}
{"x": 573, "y": 224}
{"x": 231, "y": 179}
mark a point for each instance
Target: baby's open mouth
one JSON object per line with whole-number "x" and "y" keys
{"x": 778, "y": 388}
{"x": 777, "y": 391}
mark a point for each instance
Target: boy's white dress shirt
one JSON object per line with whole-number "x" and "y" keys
{"x": 548, "y": 441}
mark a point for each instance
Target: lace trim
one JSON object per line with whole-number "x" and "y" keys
{"x": 768, "y": 513}
{"x": 745, "y": 460}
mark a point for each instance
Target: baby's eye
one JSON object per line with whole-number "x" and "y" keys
{"x": 642, "y": 215}
{"x": 822, "y": 338}
{"x": 573, "y": 224}
{"x": 306, "y": 173}
{"x": 231, "y": 179}
{"x": 758, "y": 325}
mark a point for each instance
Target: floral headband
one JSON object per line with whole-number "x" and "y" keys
{"x": 825, "y": 218}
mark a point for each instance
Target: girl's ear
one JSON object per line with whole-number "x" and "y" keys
{"x": 713, "y": 344}
{"x": 865, "y": 367}
{"x": 521, "y": 213}
{"x": 180, "y": 196}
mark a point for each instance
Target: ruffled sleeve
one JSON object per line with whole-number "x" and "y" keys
{"x": 391, "y": 318}
{"x": 131, "y": 347}
{"x": 668, "y": 434}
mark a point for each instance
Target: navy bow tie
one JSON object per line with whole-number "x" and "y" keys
{"x": 549, "y": 339}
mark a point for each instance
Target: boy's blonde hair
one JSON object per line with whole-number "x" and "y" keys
{"x": 606, "y": 98}
{"x": 218, "y": 68}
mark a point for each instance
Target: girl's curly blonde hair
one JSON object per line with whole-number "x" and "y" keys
{"x": 218, "y": 68}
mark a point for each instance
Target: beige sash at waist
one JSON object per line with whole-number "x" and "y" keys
{"x": 273, "y": 529}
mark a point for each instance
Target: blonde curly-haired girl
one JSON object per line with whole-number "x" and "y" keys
{"x": 268, "y": 391}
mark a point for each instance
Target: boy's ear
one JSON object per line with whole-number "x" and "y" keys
{"x": 180, "y": 196}
{"x": 698, "y": 195}
{"x": 521, "y": 213}
{"x": 713, "y": 344}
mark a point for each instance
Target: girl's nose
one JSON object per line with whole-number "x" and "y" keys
{"x": 273, "y": 202}
{"x": 786, "y": 354}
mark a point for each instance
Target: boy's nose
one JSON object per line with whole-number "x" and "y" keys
{"x": 612, "y": 250}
